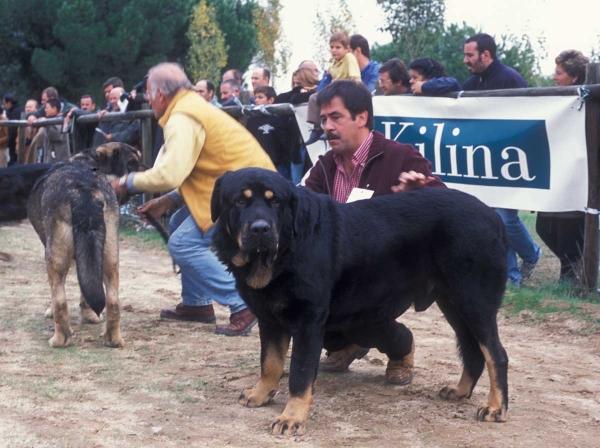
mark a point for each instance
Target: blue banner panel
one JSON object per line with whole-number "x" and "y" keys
{"x": 490, "y": 152}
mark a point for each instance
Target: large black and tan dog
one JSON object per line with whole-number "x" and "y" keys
{"x": 329, "y": 275}
{"x": 75, "y": 212}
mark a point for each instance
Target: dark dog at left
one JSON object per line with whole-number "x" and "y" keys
{"x": 75, "y": 212}
{"x": 16, "y": 183}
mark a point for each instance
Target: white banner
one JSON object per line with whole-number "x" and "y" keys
{"x": 520, "y": 152}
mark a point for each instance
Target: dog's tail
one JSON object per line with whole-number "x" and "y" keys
{"x": 89, "y": 234}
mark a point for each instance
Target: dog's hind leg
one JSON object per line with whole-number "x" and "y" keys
{"x": 59, "y": 252}
{"x": 469, "y": 351}
{"x": 86, "y": 314}
{"x": 112, "y": 332}
{"x": 396, "y": 341}
{"x": 479, "y": 344}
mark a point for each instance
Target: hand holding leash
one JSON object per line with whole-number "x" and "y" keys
{"x": 155, "y": 207}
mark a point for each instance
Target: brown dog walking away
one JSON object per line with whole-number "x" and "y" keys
{"x": 75, "y": 212}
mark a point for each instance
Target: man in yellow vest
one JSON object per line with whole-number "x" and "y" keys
{"x": 201, "y": 143}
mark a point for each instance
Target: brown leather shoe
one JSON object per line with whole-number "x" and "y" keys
{"x": 340, "y": 361}
{"x": 205, "y": 314}
{"x": 240, "y": 324}
{"x": 401, "y": 372}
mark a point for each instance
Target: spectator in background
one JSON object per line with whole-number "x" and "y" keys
{"x": 304, "y": 84}
{"x": 13, "y": 112}
{"x": 271, "y": 132}
{"x": 394, "y": 78}
{"x": 3, "y": 140}
{"x": 369, "y": 70}
{"x": 344, "y": 66}
{"x": 230, "y": 92}
{"x": 31, "y": 106}
{"x": 260, "y": 77}
{"x": 206, "y": 90}
{"x": 83, "y": 135}
{"x": 109, "y": 85}
{"x": 56, "y": 145}
{"x": 243, "y": 95}
{"x": 488, "y": 73}
{"x": 47, "y": 94}
{"x": 428, "y": 77}
{"x": 117, "y": 131}
{"x": 563, "y": 232}
{"x": 233, "y": 74}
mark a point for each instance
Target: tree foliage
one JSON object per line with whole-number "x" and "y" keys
{"x": 236, "y": 20}
{"x": 75, "y": 45}
{"x": 336, "y": 17}
{"x": 208, "y": 52}
{"x": 418, "y": 30}
{"x": 273, "y": 48}
{"x": 415, "y": 25}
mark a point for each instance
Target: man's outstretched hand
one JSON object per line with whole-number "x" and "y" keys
{"x": 411, "y": 181}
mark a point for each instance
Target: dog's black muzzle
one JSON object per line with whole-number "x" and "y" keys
{"x": 259, "y": 236}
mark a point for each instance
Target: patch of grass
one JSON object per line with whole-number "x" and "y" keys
{"x": 554, "y": 299}
{"x": 130, "y": 230}
{"x": 544, "y": 295}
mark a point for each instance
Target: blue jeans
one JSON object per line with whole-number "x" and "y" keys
{"x": 298, "y": 168}
{"x": 203, "y": 276}
{"x": 519, "y": 242}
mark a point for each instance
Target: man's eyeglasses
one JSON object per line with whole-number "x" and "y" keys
{"x": 384, "y": 81}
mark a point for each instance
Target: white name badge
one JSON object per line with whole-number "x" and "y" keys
{"x": 358, "y": 194}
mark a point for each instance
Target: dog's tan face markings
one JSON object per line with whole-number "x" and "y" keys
{"x": 240, "y": 259}
{"x": 269, "y": 194}
{"x": 247, "y": 193}
{"x": 108, "y": 148}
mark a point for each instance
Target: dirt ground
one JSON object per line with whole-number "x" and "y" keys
{"x": 175, "y": 384}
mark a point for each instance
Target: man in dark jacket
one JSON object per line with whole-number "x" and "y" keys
{"x": 363, "y": 163}
{"x": 13, "y": 112}
{"x": 490, "y": 74}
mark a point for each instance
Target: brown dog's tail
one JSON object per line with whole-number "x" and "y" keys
{"x": 89, "y": 233}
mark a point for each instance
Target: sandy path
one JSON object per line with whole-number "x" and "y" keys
{"x": 175, "y": 384}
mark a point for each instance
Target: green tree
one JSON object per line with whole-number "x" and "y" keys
{"x": 415, "y": 25}
{"x": 336, "y": 17}
{"x": 236, "y": 21}
{"x": 76, "y": 45}
{"x": 274, "y": 50}
{"x": 208, "y": 52}
{"x": 519, "y": 53}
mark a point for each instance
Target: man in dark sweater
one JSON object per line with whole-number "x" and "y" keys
{"x": 362, "y": 163}
{"x": 490, "y": 74}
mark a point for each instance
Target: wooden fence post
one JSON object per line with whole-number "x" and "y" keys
{"x": 591, "y": 251}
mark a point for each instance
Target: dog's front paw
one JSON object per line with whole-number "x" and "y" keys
{"x": 452, "y": 394}
{"x": 491, "y": 414}
{"x": 288, "y": 426}
{"x": 254, "y": 398}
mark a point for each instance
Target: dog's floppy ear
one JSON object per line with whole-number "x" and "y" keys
{"x": 107, "y": 153}
{"x": 215, "y": 200}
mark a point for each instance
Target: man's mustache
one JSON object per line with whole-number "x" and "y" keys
{"x": 332, "y": 136}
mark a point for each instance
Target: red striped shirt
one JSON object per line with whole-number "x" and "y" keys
{"x": 344, "y": 183}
